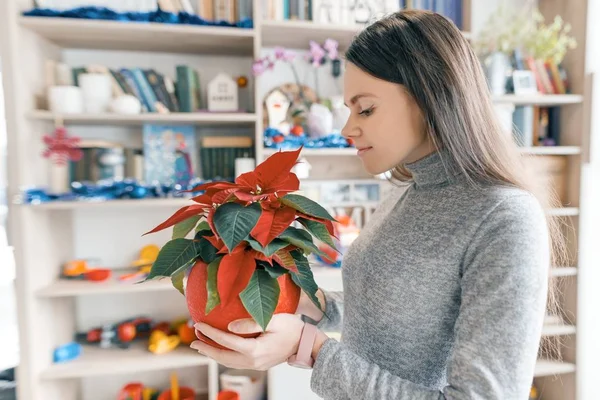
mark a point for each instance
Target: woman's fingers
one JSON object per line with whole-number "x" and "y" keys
{"x": 245, "y": 326}
{"x": 228, "y": 358}
{"x": 233, "y": 342}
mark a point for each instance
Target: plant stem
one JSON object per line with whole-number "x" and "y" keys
{"x": 300, "y": 90}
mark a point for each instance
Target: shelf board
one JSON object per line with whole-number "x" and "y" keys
{"x": 550, "y": 368}
{"x": 202, "y": 118}
{"x": 75, "y": 288}
{"x": 536, "y": 150}
{"x": 298, "y": 34}
{"x": 348, "y": 151}
{"x": 563, "y": 271}
{"x": 551, "y": 150}
{"x": 70, "y": 288}
{"x": 558, "y": 330}
{"x": 95, "y": 361}
{"x": 128, "y": 203}
{"x": 539, "y": 100}
{"x": 142, "y": 36}
{"x": 564, "y": 212}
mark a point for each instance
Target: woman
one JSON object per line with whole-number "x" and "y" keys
{"x": 445, "y": 289}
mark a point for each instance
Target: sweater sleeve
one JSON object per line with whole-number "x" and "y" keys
{"x": 498, "y": 329}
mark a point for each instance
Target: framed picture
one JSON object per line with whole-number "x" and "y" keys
{"x": 524, "y": 82}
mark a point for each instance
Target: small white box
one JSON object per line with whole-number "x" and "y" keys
{"x": 250, "y": 385}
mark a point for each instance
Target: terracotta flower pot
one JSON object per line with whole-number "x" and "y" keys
{"x": 221, "y": 316}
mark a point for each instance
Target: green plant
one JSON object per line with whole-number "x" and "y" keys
{"x": 525, "y": 29}
{"x": 243, "y": 234}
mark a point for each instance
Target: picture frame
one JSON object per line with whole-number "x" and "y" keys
{"x": 524, "y": 83}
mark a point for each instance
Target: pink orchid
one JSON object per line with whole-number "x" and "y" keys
{"x": 332, "y": 48}
{"x": 258, "y": 67}
{"x": 317, "y": 53}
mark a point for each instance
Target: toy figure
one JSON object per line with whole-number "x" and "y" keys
{"x": 120, "y": 335}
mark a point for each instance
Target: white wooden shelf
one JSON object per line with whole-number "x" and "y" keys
{"x": 323, "y": 152}
{"x": 95, "y": 361}
{"x": 538, "y": 150}
{"x": 67, "y": 288}
{"x": 202, "y": 118}
{"x": 298, "y": 34}
{"x": 325, "y": 277}
{"x": 125, "y": 203}
{"x": 539, "y": 100}
{"x": 136, "y": 36}
{"x": 558, "y": 330}
{"x": 551, "y": 368}
{"x": 564, "y": 212}
{"x": 563, "y": 271}
{"x": 551, "y": 150}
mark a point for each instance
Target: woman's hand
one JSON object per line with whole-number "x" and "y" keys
{"x": 271, "y": 348}
{"x": 308, "y": 308}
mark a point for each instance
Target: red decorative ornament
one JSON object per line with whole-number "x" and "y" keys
{"x": 62, "y": 147}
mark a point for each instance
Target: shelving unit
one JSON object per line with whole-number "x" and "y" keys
{"x": 49, "y": 234}
{"x": 98, "y": 362}
{"x": 203, "y": 119}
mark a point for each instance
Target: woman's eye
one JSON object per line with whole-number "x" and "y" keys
{"x": 367, "y": 112}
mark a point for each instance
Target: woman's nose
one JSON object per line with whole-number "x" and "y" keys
{"x": 350, "y": 130}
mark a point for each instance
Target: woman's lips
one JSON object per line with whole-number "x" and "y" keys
{"x": 362, "y": 150}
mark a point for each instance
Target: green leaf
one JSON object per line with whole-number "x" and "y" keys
{"x": 272, "y": 248}
{"x": 172, "y": 256}
{"x": 306, "y": 206}
{"x": 234, "y": 222}
{"x": 318, "y": 230}
{"x": 260, "y": 297}
{"x": 274, "y": 271}
{"x": 178, "y": 276}
{"x": 184, "y": 227}
{"x": 300, "y": 238}
{"x": 202, "y": 226}
{"x": 213, "y": 298}
{"x": 206, "y": 251}
{"x": 304, "y": 278}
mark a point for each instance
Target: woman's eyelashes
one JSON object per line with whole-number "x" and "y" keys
{"x": 366, "y": 112}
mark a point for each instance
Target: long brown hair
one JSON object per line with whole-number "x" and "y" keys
{"x": 429, "y": 56}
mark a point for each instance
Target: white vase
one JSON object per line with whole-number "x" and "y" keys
{"x": 97, "y": 92}
{"x": 319, "y": 121}
{"x": 58, "y": 178}
{"x": 497, "y": 66}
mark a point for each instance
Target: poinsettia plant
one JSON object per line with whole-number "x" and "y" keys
{"x": 247, "y": 235}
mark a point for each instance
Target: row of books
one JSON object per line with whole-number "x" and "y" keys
{"x": 537, "y": 126}
{"x": 355, "y": 12}
{"x": 452, "y": 9}
{"x": 550, "y": 78}
{"x": 151, "y": 88}
{"x": 225, "y": 10}
{"x": 169, "y": 154}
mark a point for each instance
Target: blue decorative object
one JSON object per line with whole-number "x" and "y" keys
{"x": 67, "y": 352}
{"x": 273, "y": 139}
{"x": 158, "y": 16}
{"x": 111, "y": 190}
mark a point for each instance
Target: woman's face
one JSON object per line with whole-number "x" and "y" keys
{"x": 385, "y": 123}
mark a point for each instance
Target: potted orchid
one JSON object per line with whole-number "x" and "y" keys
{"x": 245, "y": 257}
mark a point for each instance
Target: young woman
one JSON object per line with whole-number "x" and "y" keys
{"x": 445, "y": 289}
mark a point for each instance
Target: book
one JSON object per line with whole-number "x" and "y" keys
{"x": 170, "y": 154}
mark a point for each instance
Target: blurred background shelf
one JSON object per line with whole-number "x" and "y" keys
{"x": 558, "y": 330}
{"x": 539, "y": 100}
{"x": 550, "y": 368}
{"x": 95, "y": 361}
{"x": 113, "y": 35}
{"x": 204, "y": 119}
{"x": 563, "y": 271}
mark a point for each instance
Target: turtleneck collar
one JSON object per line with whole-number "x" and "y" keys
{"x": 431, "y": 170}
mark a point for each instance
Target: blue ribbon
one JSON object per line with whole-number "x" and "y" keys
{"x": 159, "y": 16}
{"x": 334, "y": 140}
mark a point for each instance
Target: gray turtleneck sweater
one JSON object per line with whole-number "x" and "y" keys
{"x": 444, "y": 295}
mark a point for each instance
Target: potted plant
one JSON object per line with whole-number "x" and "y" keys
{"x": 248, "y": 254}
